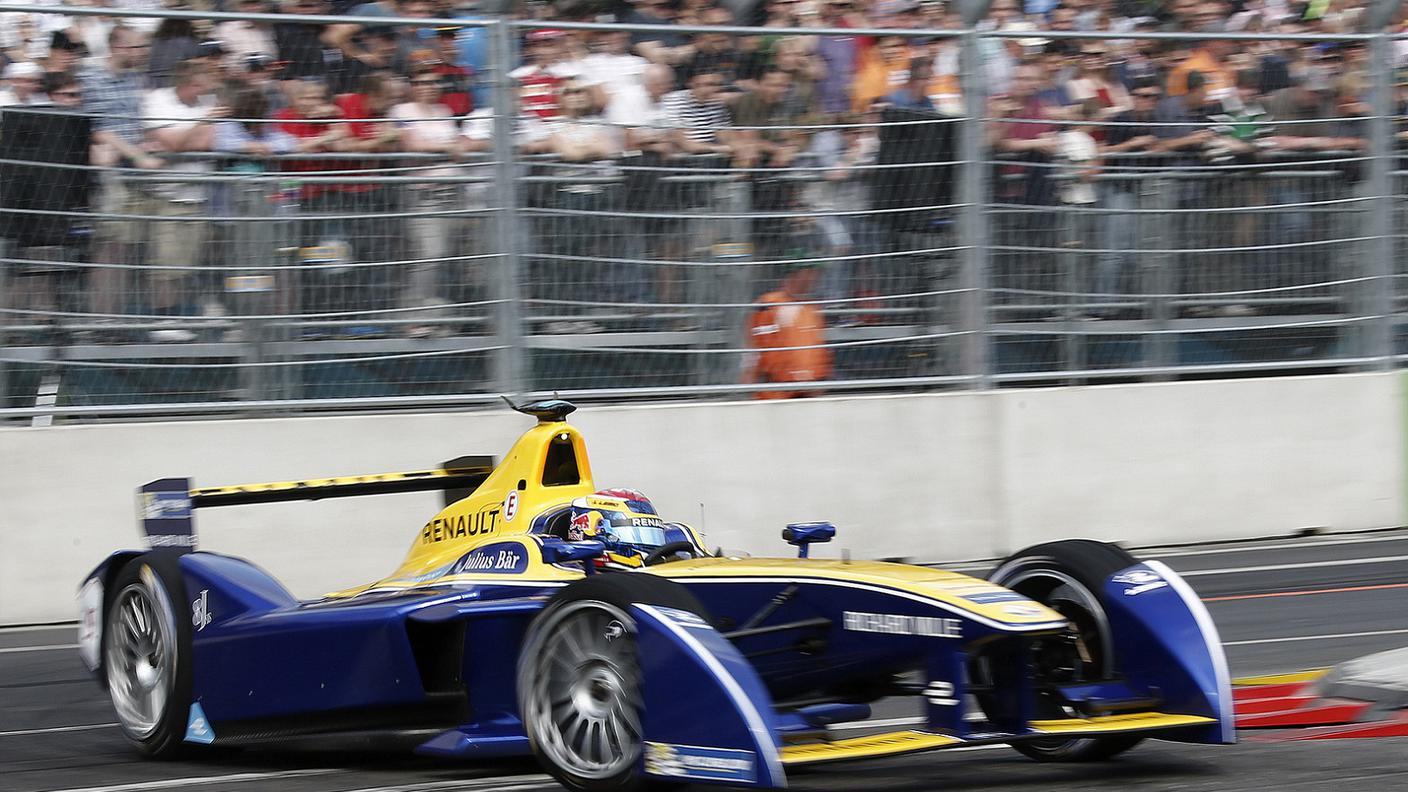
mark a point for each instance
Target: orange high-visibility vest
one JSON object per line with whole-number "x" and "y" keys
{"x": 778, "y": 326}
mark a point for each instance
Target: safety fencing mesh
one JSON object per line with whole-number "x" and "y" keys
{"x": 770, "y": 212}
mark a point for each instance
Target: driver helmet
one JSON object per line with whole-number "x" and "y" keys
{"x": 623, "y": 520}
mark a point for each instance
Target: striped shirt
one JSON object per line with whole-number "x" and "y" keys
{"x": 699, "y": 120}
{"x": 115, "y": 101}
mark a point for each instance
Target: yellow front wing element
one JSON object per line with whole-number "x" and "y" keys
{"x": 865, "y": 747}
{"x": 1104, "y": 724}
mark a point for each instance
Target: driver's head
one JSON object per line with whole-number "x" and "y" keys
{"x": 623, "y": 520}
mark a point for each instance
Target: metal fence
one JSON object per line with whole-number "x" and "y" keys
{"x": 943, "y": 254}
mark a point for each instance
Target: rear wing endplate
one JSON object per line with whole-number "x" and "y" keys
{"x": 166, "y": 506}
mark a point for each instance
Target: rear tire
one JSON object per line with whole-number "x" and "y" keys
{"x": 579, "y": 686}
{"x": 1069, "y": 577}
{"x": 146, "y": 653}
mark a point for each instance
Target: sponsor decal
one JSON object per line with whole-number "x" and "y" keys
{"x": 940, "y": 694}
{"x": 648, "y": 522}
{"x": 895, "y": 624}
{"x": 198, "y": 728}
{"x": 1139, "y": 581}
{"x": 581, "y": 523}
{"x": 90, "y": 622}
{"x": 459, "y": 526}
{"x": 1022, "y": 610}
{"x": 511, "y": 505}
{"x": 692, "y": 761}
{"x": 989, "y": 597}
{"x": 200, "y": 610}
{"x": 684, "y": 618}
{"x": 171, "y": 540}
{"x": 505, "y": 558}
{"x": 166, "y": 506}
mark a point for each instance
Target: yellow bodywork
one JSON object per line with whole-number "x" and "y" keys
{"x": 950, "y": 588}
{"x": 501, "y": 508}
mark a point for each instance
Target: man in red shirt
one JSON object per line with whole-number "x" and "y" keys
{"x": 539, "y": 80}
{"x": 455, "y": 76}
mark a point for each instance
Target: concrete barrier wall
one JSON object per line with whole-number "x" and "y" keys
{"x": 947, "y": 476}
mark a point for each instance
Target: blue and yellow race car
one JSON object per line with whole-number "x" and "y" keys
{"x": 536, "y": 614}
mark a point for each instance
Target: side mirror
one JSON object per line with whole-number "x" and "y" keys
{"x": 804, "y": 534}
{"x": 565, "y": 552}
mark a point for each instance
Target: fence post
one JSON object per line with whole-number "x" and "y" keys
{"x": 5, "y": 319}
{"x": 974, "y": 352}
{"x": 1380, "y": 287}
{"x": 508, "y": 359}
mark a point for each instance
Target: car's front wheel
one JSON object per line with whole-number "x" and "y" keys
{"x": 147, "y": 654}
{"x": 579, "y": 682}
{"x": 1068, "y": 577}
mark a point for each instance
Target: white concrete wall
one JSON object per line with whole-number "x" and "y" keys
{"x": 946, "y": 476}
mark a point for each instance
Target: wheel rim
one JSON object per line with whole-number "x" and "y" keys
{"x": 583, "y": 698}
{"x": 140, "y": 656}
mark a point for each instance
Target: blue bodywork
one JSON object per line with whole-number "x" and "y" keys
{"x": 721, "y": 695}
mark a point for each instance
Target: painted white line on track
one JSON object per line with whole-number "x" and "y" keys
{"x": 236, "y": 778}
{"x": 38, "y": 627}
{"x": 46, "y": 648}
{"x": 1368, "y": 634}
{"x": 1300, "y": 565}
{"x": 53, "y": 729}
{"x": 1154, "y": 552}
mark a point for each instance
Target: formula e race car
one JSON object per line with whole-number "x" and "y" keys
{"x": 538, "y": 615}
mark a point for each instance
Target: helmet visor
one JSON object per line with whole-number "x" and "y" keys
{"x": 638, "y": 535}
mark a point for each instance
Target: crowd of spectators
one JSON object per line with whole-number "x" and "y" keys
{"x": 609, "y": 114}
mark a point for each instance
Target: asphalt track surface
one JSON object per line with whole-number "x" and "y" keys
{"x": 1281, "y": 605}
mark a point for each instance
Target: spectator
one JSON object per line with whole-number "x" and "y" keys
{"x": 113, "y": 97}
{"x": 456, "y": 78}
{"x": 670, "y": 49}
{"x": 914, "y": 94}
{"x": 794, "y": 56}
{"x": 1079, "y": 155}
{"x": 1182, "y": 116}
{"x": 700, "y": 119}
{"x": 257, "y": 71}
{"x": 243, "y": 38}
{"x": 840, "y": 57}
{"x": 788, "y": 335}
{"x": 250, "y": 135}
{"x": 179, "y": 120}
{"x": 762, "y": 139}
{"x": 716, "y": 52}
{"x": 611, "y": 67}
{"x": 1210, "y": 58}
{"x": 352, "y": 41}
{"x": 640, "y": 115}
{"x": 884, "y": 70}
{"x": 64, "y": 55}
{"x": 427, "y": 127}
{"x": 301, "y": 46}
{"x": 24, "y": 80}
{"x": 1094, "y": 80}
{"x": 1130, "y": 132}
{"x": 173, "y": 42}
{"x": 849, "y": 154}
{"x": 539, "y": 79}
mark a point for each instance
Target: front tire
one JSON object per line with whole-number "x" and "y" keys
{"x": 579, "y": 683}
{"x": 147, "y": 654}
{"x": 1068, "y": 576}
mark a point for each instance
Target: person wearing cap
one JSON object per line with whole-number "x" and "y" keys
{"x": 788, "y": 334}
{"x": 24, "y": 82}
{"x": 539, "y": 79}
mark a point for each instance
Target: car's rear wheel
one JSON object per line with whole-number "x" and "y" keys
{"x": 147, "y": 654}
{"x": 1068, "y": 577}
{"x": 579, "y": 683}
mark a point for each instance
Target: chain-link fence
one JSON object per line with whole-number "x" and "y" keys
{"x": 361, "y": 218}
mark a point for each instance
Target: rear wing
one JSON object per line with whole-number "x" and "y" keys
{"x": 166, "y": 506}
